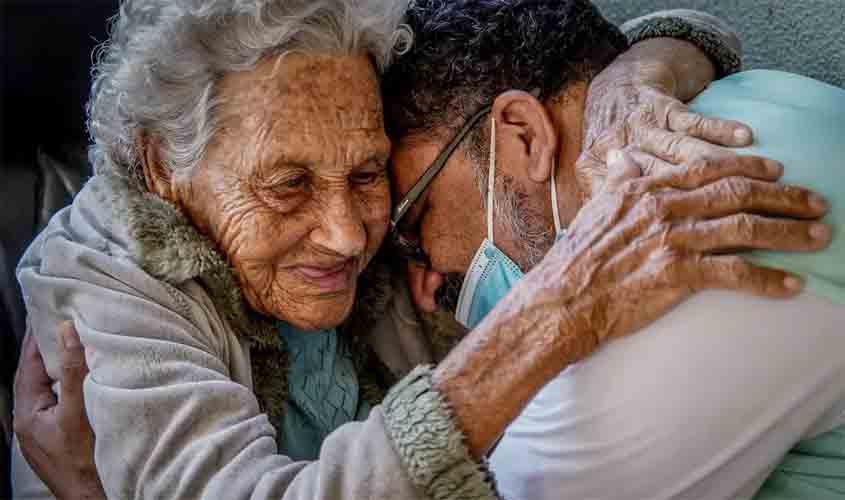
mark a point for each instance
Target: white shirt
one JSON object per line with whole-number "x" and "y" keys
{"x": 700, "y": 405}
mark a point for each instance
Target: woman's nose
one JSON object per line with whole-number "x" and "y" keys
{"x": 341, "y": 228}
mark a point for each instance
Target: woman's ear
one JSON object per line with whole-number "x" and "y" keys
{"x": 156, "y": 175}
{"x": 526, "y": 134}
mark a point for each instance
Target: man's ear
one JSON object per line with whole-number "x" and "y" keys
{"x": 157, "y": 177}
{"x": 525, "y": 133}
{"x": 423, "y": 284}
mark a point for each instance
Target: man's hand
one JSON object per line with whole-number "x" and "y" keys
{"x": 54, "y": 434}
{"x": 638, "y": 101}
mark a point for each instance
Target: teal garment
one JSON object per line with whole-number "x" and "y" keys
{"x": 815, "y": 469}
{"x": 323, "y": 391}
{"x": 800, "y": 122}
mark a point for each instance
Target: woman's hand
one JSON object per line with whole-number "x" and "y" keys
{"x": 638, "y": 248}
{"x": 638, "y": 101}
{"x": 54, "y": 434}
{"x": 645, "y": 243}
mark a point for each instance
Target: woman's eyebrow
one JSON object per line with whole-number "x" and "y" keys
{"x": 375, "y": 156}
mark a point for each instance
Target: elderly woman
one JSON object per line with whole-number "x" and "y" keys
{"x": 220, "y": 270}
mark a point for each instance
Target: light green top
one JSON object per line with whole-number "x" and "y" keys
{"x": 323, "y": 391}
{"x": 801, "y": 122}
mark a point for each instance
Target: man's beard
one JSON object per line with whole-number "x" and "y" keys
{"x": 524, "y": 223}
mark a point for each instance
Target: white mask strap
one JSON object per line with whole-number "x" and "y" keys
{"x": 491, "y": 181}
{"x": 559, "y": 229}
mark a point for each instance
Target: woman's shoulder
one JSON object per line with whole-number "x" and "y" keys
{"x": 92, "y": 264}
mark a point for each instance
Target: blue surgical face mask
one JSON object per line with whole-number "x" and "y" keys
{"x": 492, "y": 273}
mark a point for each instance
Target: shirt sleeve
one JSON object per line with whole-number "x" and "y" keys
{"x": 709, "y": 33}
{"x": 172, "y": 422}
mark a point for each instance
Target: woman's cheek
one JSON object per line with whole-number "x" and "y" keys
{"x": 376, "y": 212}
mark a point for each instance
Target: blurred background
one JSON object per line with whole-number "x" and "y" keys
{"x": 45, "y": 77}
{"x": 801, "y": 36}
{"x": 44, "y": 80}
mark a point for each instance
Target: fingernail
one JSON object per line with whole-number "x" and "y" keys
{"x": 742, "y": 135}
{"x": 71, "y": 340}
{"x": 820, "y": 232}
{"x": 775, "y": 168}
{"x": 819, "y": 203}
{"x": 793, "y": 283}
{"x": 614, "y": 156}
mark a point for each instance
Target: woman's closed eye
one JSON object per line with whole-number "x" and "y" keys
{"x": 287, "y": 182}
{"x": 285, "y": 190}
{"x": 292, "y": 183}
{"x": 368, "y": 176}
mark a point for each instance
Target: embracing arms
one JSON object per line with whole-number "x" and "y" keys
{"x": 206, "y": 435}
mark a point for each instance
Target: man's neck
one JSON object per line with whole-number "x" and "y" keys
{"x": 567, "y": 111}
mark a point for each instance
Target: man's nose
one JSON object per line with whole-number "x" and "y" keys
{"x": 341, "y": 228}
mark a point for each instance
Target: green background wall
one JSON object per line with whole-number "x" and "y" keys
{"x": 802, "y": 36}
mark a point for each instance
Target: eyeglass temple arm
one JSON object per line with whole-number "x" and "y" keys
{"x": 435, "y": 168}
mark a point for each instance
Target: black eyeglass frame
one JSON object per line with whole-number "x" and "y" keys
{"x": 406, "y": 248}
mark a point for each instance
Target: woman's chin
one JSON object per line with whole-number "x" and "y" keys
{"x": 300, "y": 303}
{"x": 317, "y": 313}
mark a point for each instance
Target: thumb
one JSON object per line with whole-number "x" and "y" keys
{"x": 74, "y": 370}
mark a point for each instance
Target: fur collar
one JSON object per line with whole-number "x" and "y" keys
{"x": 164, "y": 243}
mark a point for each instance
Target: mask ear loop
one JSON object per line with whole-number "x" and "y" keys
{"x": 491, "y": 181}
{"x": 559, "y": 229}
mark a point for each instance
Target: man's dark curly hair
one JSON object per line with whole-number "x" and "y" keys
{"x": 466, "y": 52}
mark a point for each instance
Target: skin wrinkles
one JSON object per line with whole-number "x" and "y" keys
{"x": 296, "y": 177}
{"x": 649, "y": 226}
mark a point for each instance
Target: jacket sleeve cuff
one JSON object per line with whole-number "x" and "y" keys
{"x": 432, "y": 450}
{"x": 709, "y": 33}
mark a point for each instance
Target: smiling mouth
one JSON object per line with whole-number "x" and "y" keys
{"x": 335, "y": 278}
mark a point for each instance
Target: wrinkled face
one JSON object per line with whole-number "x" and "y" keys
{"x": 294, "y": 187}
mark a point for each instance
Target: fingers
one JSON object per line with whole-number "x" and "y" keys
{"x": 33, "y": 390}
{"x": 714, "y": 130}
{"x": 737, "y": 194}
{"x": 71, "y": 401}
{"x": 675, "y": 147}
{"x": 659, "y": 174}
{"x": 730, "y": 272}
{"x": 744, "y": 231}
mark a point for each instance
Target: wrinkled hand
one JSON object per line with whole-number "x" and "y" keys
{"x": 644, "y": 243}
{"x": 54, "y": 434}
{"x": 633, "y": 105}
{"x": 639, "y": 247}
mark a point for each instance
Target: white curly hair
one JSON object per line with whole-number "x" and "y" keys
{"x": 159, "y": 69}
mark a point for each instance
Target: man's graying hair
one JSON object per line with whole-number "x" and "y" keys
{"x": 159, "y": 69}
{"x": 467, "y": 52}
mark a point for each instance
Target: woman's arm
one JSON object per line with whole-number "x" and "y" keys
{"x": 169, "y": 393}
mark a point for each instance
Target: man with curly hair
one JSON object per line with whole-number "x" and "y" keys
{"x": 495, "y": 160}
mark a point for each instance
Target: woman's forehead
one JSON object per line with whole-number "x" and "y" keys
{"x": 316, "y": 91}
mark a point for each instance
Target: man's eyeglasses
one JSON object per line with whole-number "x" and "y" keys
{"x": 409, "y": 247}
